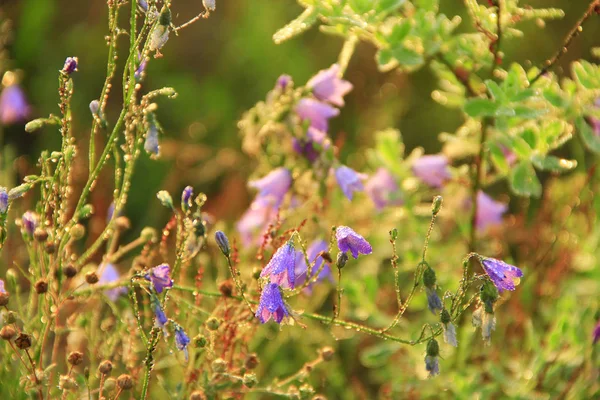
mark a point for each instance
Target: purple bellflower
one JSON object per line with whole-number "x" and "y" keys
{"x": 70, "y": 65}
{"x": 29, "y": 221}
{"x": 432, "y": 169}
{"x": 181, "y": 340}
{"x": 383, "y": 189}
{"x": 349, "y": 180}
{"x": 151, "y": 144}
{"x": 327, "y": 86}
{"x": 160, "y": 276}
{"x": 274, "y": 185}
{"x": 306, "y": 146}
{"x": 2, "y": 289}
{"x": 143, "y": 62}
{"x": 489, "y": 211}
{"x": 256, "y": 219}
{"x": 109, "y": 274}
{"x": 313, "y": 251}
{"x": 271, "y": 305}
{"x": 316, "y": 112}
{"x": 13, "y": 105}
{"x": 284, "y": 81}
{"x": 281, "y": 267}
{"x": 348, "y": 240}
{"x": 595, "y": 333}
{"x": 161, "y": 318}
{"x": 503, "y": 275}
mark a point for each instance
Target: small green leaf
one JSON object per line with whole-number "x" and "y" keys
{"x": 297, "y": 26}
{"x": 521, "y": 148}
{"x": 590, "y": 138}
{"x": 529, "y": 113}
{"x": 553, "y": 164}
{"x": 495, "y": 90}
{"x": 379, "y": 354}
{"x": 480, "y": 107}
{"x": 586, "y": 74}
{"x": 524, "y": 181}
{"x": 407, "y": 57}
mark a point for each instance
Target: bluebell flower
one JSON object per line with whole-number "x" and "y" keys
{"x": 143, "y": 61}
{"x": 486, "y": 321}
{"x": 161, "y": 318}
{"x": 271, "y": 305}
{"x": 29, "y": 221}
{"x": 348, "y": 240}
{"x": 280, "y": 268}
{"x": 151, "y": 144}
{"x": 181, "y": 340}
{"x": 256, "y": 219}
{"x": 327, "y": 85}
{"x": 143, "y": 4}
{"x": 308, "y": 146}
{"x": 3, "y": 200}
{"x": 503, "y": 275}
{"x": 223, "y": 243}
{"x": 160, "y": 276}
{"x": 489, "y": 211}
{"x": 70, "y": 65}
{"x": 2, "y": 289}
{"x": 434, "y": 303}
{"x": 13, "y": 105}
{"x": 274, "y": 185}
{"x": 313, "y": 252}
{"x": 316, "y": 112}
{"x": 349, "y": 180}
{"x": 432, "y": 169}
{"x": 109, "y": 274}
{"x": 383, "y": 189}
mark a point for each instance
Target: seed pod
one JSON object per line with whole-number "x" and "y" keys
{"x": 105, "y": 367}
{"x": 41, "y": 286}
{"x": 69, "y": 271}
{"x": 219, "y": 365}
{"x": 197, "y": 395}
{"x": 251, "y": 361}
{"x": 4, "y": 296}
{"x": 125, "y": 381}
{"x": 7, "y": 332}
{"x": 40, "y": 234}
{"x": 91, "y": 277}
{"x": 327, "y": 353}
{"x": 75, "y": 358}
{"x": 226, "y": 288}
{"x": 23, "y": 341}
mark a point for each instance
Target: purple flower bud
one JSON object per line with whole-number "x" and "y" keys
{"x": 223, "y": 243}
{"x": 70, "y": 65}
{"x": 434, "y": 303}
{"x": 143, "y": 4}
{"x": 432, "y": 364}
{"x": 29, "y": 221}
{"x": 274, "y": 185}
{"x": 143, "y": 61}
{"x": 271, "y": 305}
{"x": 313, "y": 252}
{"x": 316, "y": 112}
{"x": 281, "y": 267}
{"x": 186, "y": 197}
{"x": 327, "y": 86}
{"x": 95, "y": 107}
{"x": 13, "y": 105}
{"x": 3, "y": 200}
{"x": 108, "y": 274}
{"x": 181, "y": 340}
{"x": 284, "y": 81}
{"x": 2, "y": 290}
{"x": 349, "y": 180}
{"x": 432, "y": 169}
{"x": 489, "y": 211}
{"x": 383, "y": 189}
{"x": 348, "y": 240}
{"x": 161, "y": 318}
{"x": 151, "y": 144}
{"x": 595, "y": 334}
{"x": 503, "y": 275}
{"x": 160, "y": 276}
{"x": 308, "y": 146}
{"x": 209, "y": 4}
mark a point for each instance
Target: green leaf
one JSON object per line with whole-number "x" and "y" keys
{"x": 529, "y": 113}
{"x": 521, "y": 148}
{"x": 587, "y": 74}
{"x": 480, "y": 107}
{"x": 524, "y": 181}
{"x": 386, "y": 6}
{"x": 554, "y": 164}
{"x": 498, "y": 158}
{"x": 399, "y": 33}
{"x": 554, "y": 97}
{"x": 379, "y": 354}
{"x": 407, "y": 57}
{"x": 589, "y": 136}
{"x": 495, "y": 90}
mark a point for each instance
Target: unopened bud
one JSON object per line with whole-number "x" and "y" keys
{"x": 429, "y": 278}
{"x": 342, "y": 259}
{"x": 40, "y": 234}
{"x": 251, "y": 361}
{"x": 445, "y": 317}
{"x": 77, "y": 231}
{"x": 35, "y": 124}
{"x": 122, "y": 223}
{"x": 200, "y": 341}
{"x": 436, "y": 206}
{"x": 19, "y": 191}
{"x": 213, "y": 323}
{"x": 148, "y": 234}
{"x": 226, "y": 288}
{"x": 219, "y": 365}
{"x": 223, "y": 243}
{"x": 69, "y": 271}
{"x": 186, "y": 198}
{"x": 110, "y": 384}
{"x": 165, "y": 198}
{"x": 70, "y": 65}
{"x": 11, "y": 317}
{"x": 50, "y": 247}
{"x": 433, "y": 348}
{"x": 86, "y": 211}
{"x": 66, "y": 382}
{"x": 4, "y": 296}
{"x": 197, "y": 395}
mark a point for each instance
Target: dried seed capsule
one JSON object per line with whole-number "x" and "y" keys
{"x": 105, "y": 367}
{"x": 41, "y": 286}
{"x": 23, "y": 341}
{"x": 125, "y": 381}
{"x": 40, "y": 234}
{"x": 197, "y": 395}
{"x": 251, "y": 361}
{"x": 7, "y": 332}
{"x": 4, "y": 296}
{"x": 327, "y": 353}
{"x": 69, "y": 271}
{"x": 213, "y": 323}
{"x": 91, "y": 277}
{"x": 219, "y": 365}
{"x": 226, "y": 288}
{"x": 250, "y": 380}
{"x": 75, "y": 358}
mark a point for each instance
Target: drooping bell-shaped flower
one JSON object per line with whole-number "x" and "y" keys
{"x": 160, "y": 276}
{"x": 13, "y": 105}
{"x": 432, "y": 169}
{"x": 281, "y": 267}
{"x": 327, "y": 86}
{"x": 271, "y": 305}
{"x": 349, "y": 180}
{"x": 503, "y": 275}
{"x": 274, "y": 185}
{"x": 3, "y": 200}
{"x": 383, "y": 189}
{"x": 109, "y": 274}
{"x": 316, "y": 112}
{"x": 348, "y": 240}
{"x": 432, "y": 363}
{"x": 489, "y": 211}
{"x": 181, "y": 340}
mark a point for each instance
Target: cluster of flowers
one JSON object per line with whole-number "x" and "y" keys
{"x": 288, "y": 267}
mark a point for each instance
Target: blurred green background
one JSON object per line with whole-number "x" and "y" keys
{"x": 223, "y": 65}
